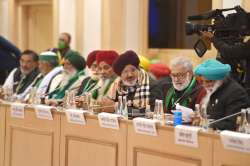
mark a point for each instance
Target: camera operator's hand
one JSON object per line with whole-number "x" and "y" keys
{"x": 207, "y": 35}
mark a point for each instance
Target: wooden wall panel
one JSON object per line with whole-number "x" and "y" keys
{"x": 223, "y": 157}
{"x": 31, "y": 141}
{"x": 145, "y": 150}
{"x": 92, "y": 145}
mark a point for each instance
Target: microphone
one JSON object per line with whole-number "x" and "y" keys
{"x": 90, "y": 91}
{"x": 244, "y": 111}
{"x": 48, "y": 93}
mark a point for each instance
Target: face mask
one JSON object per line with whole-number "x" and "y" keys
{"x": 62, "y": 45}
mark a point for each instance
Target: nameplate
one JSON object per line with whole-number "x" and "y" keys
{"x": 235, "y": 141}
{"x": 108, "y": 120}
{"x": 43, "y": 112}
{"x": 145, "y": 126}
{"x": 186, "y": 135}
{"x": 75, "y": 116}
{"x": 17, "y": 110}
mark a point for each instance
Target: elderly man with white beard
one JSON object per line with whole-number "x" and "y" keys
{"x": 224, "y": 96}
{"x": 70, "y": 78}
{"x": 184, "y": 88}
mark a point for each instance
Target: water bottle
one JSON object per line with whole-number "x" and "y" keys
{"x": 125, "y": 107}
{"x": 204, "y": 117}
{"x": 177, "y": 117}
{"x": 158, "y": 112}
{"x": 119, "y": 105}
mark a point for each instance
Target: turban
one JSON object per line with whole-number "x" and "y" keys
{"x": 91, "y": 58}
{"x": 213, "y": 70}
{"x": 107, "y": 56}
{"x": 127, "y": 58}
{"x": 49, "y": 57}
{"x": 159, "y": 70}
{"x": 76, "y": 60}
{"x": 144, "y": 62}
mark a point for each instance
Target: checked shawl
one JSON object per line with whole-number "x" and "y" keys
{"x": 140, "y": 92}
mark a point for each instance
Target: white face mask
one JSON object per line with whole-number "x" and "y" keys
{"x": 183, "y": 85}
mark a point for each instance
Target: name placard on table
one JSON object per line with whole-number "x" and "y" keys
{"x": 186, "y": 135}
{"x": 235, "y": 141}
{"x": 17, "y": 110}
{"x": 145, "y": 126}
{"x": 108, "y": 120}
{"x": 43, "y": 112}
{"x": 75, "y": 116}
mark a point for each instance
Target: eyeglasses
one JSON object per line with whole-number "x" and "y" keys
{"x": 179, "y": 75}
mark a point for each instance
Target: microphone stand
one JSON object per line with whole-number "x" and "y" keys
{"x": 242, "y": 112}
{"x": 226, "y": 117}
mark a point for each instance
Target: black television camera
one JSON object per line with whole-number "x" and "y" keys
{"x": 231, "y": 28}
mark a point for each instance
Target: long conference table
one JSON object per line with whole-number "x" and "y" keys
{"x": 37, "y": 142}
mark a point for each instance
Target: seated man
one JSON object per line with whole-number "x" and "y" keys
{"x": 105, "y": 60}
{"x": 224, "y": 96}
{"x": 21, "y": 79}
{"x": 134, "y": 83}
{"x": 184, "y": 88}
{"x": 70, "y": 78}
{"x": 89, "y": 83}
{"x": 48, "y": 66}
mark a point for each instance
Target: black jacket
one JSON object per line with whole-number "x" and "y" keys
{"x": 9, "y": 58}
{"x": 228, "y": 99}
{"x": 234, "y": 54}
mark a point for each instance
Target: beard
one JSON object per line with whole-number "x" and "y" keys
{"x": 25, "y": 72}
{"x": 71, "y": 72}
{"x": 213, "y": 88}
{"x": 130, "y": 83}
{"x": 65, "y": 78}
{"x": 181, "y": 86}
{"x": 94, "y": 76}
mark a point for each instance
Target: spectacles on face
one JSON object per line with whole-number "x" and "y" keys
{"x": 179, "y": 75}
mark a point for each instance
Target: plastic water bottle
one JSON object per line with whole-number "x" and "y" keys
{"x": 177, "y": 117}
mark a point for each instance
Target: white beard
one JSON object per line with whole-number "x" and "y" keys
{"x": 183, "y": 85}
{"x": 217, "y": 84}
{"x": 93, "y": 76}
{"x": 210, "y": 91}
{"x": 129, "y": 84}
{"x": 65, "y": 78}
{"x": 72, "y": 72}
